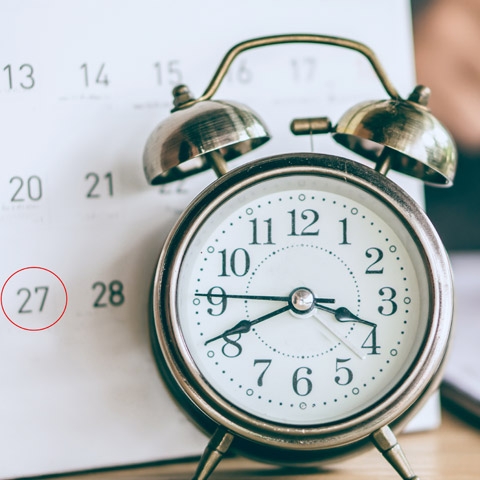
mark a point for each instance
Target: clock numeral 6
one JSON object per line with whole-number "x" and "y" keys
{"x": 349, "y": 374}
{"x": 222, "y": 300}
{"x": 384, "y": 291}
{"x": 239, "y": 263}
{"x": 302, "y": 386}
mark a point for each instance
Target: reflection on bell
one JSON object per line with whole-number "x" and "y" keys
{"x": 403, "y": 133}
{"x": 186, "y": 142}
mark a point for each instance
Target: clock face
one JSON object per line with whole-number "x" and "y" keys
{"x": 302, "y": 299}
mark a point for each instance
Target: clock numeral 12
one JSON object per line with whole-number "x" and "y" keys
{"x": 309, "y": 215}
{"x": 383, "y": 291}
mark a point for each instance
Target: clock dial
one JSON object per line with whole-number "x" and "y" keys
{"x": 302, "y": 299}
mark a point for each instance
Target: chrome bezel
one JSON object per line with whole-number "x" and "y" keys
{"x": 205, "y": 404}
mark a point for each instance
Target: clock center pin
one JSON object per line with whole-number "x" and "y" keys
{"x": 302, "y": 301}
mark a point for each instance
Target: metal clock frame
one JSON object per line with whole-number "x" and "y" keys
{"x": 272, "y": 441}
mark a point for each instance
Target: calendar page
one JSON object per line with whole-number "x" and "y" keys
{"x": 82, "y": 84}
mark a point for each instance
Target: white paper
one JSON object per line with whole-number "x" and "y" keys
{"x": 462, "y": 366}
{"x": 82, "y": 84}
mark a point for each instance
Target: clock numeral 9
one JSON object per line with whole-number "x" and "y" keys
{"x": 255, "y": 232}
{"x": 370, "y": 253}
{"x": 302, "y": 386}
{"x": 239, "y": 262}
{"x": 394, "y": 306}
{"x": 347, "y": 370}
{"x": 232, "y": 348}
{"x": 221, "y": 300}
{"x": 260, "y": 378}
{"x": 307, "y": 214}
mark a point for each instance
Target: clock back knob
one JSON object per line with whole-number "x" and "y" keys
{"x": 416, "y": 143}
{"x": 182, "y": 144}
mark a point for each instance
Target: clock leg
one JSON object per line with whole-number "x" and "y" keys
{"x": 217, "y": 446}
{"x": 386, "y": 442}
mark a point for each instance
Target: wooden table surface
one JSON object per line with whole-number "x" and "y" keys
{"x": 450, "y": 453}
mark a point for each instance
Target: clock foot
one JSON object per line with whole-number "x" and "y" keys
{"x": 218, "y": 445}
{"x": 386, "y": 442}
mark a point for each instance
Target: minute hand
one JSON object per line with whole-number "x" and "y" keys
{"x": 343, "y": 314}
{"x": 244, "y": 326}
{"x": 259, "y": 297}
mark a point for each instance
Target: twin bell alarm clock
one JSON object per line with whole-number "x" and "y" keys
{"x": 302, "y": 304}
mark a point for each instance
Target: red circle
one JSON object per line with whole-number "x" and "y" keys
{"x": 34, "y": 329}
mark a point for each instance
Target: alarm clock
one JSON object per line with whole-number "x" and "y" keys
{"x": 302, "y": 305}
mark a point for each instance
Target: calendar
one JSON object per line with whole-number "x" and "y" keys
{"x": 82, "y": 84}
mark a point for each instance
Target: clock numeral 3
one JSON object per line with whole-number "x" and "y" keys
{"x": 393, "y": 293}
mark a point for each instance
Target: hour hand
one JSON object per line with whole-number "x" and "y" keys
{"x": 343, "y": 314}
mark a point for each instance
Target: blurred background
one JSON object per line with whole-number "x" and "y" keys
{"x": 447, "y": 45}
{"x": 447, "y": 42}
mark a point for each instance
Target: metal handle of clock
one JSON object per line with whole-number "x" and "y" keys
{"x": 292, "y": 38}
